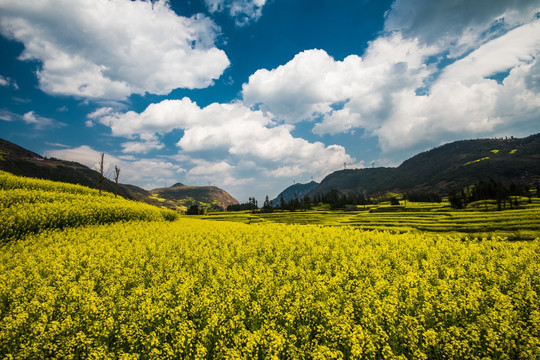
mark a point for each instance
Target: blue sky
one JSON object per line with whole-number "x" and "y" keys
{"x": 253, "y": 95}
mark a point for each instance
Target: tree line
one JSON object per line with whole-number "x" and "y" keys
{"x": 504, "y": 195}
{"x": 334, "y": 198}
{"x": 252, "y": 204}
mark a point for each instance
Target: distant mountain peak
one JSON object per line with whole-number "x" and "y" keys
{"x": 206, "y": 196}
{"x": 299, "y": 190}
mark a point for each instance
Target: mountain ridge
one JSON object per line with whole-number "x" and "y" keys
{"x": 454, "y": 165}
{"x": 299, "y": 190}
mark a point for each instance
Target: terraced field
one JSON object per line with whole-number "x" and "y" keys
{"x": 480, "y": 220}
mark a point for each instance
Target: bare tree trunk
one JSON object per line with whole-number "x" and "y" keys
{"x": 101, "y": 178}
{"x": 116, "y": 176}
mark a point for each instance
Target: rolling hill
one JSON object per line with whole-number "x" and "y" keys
{"x": 22, "y": 162}
{"x": 454, "y": 165}
{"x": 184, "y": 196}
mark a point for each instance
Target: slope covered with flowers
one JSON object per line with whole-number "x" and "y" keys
{"x": 196, "y": 289}
{"x": 30, "y": 205}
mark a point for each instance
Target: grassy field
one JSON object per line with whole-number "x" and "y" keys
{"x": 113, "y": 279}
{"x": 479, "y": 220}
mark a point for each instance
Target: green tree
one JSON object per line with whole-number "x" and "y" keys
{"x": 267, "y": 205}
{"x": 307, "y": 202}
{"x": 456, "y": 200}
{"x": 282, "y": 203}
{"x": 195, "y": 210}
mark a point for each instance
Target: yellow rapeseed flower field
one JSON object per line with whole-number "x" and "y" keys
{"x": 146, "y": 288}
{"x": 31, "y": 205}
{"x": 199, "y": 289}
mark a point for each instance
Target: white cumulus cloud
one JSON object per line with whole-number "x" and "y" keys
{"x": 112, "y": 49}
{"x": 313, "y": 85}
{"x": 413, "y": 92}
{"x": 243, "y": 11}
{"x": 519, "y": 46}
{"x": 233, "y": 134}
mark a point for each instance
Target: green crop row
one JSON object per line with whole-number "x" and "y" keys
{"x": 435, "y": 218}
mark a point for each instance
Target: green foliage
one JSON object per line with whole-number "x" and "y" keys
{"x": 252, "y": 204}
{"x": 338, "y": 200}
{"x": 195, "y": 210}
{"x": 423, "y": 196}
{"x": 490, "y": 190}
{"x": 457, "y": 200}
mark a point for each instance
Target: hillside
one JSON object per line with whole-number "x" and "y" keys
{"x": 22, "y": 162}
{"x": 29, "y": 205}
{"x": 454, "y": 165}
{"x": 184, "y": 196}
